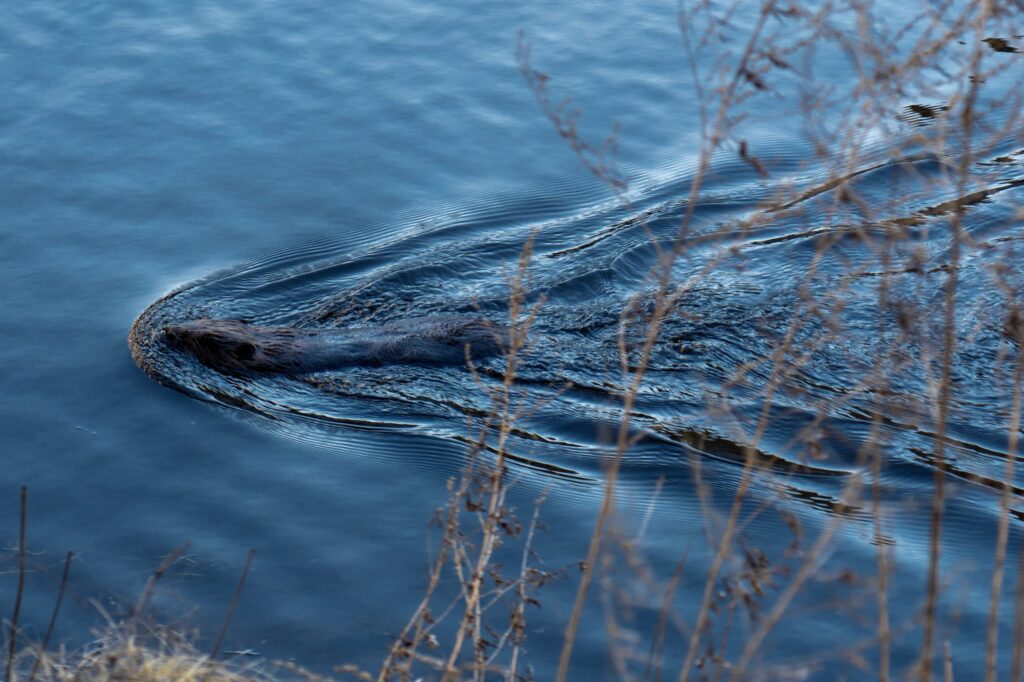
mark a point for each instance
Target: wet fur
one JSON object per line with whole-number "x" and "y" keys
{"x": 237, "y": 347}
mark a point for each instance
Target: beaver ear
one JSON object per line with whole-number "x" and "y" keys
{"x": 245, "y": 351}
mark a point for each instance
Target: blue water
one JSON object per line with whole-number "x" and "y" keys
{"x": 384, "y": 159}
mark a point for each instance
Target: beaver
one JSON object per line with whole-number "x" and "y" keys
{"x": 237, "y": 347}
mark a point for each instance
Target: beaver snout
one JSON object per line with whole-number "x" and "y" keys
{"x": 201, "y": 331}
{"x": 226, "y": 345}
{"x": 175, "y": 336}
{"x": 184, "y": 335}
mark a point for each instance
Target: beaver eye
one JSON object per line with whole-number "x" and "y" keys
{"x": 245, "y": 351}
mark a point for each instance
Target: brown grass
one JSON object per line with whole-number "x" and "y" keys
{"x": 121, "y": 655}
{"x": 737, "y": 74}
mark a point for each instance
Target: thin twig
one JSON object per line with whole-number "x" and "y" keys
{"x": 948, "y": 355}
{"x": 164, "y": 566}
{"x": 21, "y": 587}
{"x": 664, "y": 301}
{"x": 1017, "y": 667}
{"x": 519, "y": 615}
{"x": 495, "y": 491}
{"x": 53, "y": 616}
{"x": 1003, "y": 531}
{"x": 234, "y": 603}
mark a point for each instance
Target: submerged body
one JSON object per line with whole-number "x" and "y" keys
{"x": 238, "y": 347}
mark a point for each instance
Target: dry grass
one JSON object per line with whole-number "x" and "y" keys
{"x": 746, "y": 593}
{"x": 122, "y": 655}
{"x": 125, "y": 651}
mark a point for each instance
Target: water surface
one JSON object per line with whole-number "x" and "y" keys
{"x": 324, "y": 166}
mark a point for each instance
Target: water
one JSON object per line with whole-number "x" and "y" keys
{"x": 322, "y": 165}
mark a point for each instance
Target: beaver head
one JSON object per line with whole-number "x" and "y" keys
{"x": 231, "y": 345}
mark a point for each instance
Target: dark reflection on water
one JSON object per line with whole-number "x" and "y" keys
{"x": 146, "y": 147}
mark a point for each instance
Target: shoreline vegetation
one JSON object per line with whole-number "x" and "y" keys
{"x": 945, "y": 54}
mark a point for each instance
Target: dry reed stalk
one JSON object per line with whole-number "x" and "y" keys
{"x": 155, "y": 577}
{"x": 600, "y": 159}
{"x": 234, "y": 604}
{"x": 517, "y": 341}
{"x": 1017, "y": 658}
{"x": 809, "y": 566}
{"x": 53, "y": 617}
{"x": 404, "y": 646}
{"x": 967, "y": 128}
{"x": 869, "y": 453}
{"x": 749, "y": 466}
{"x": 784, "y": 360}
{"x": 882, "y": 560}
{"x": 453, "y": 543}
{"x": 654, "y": 660}
{"x": 1003, "y": 530}
{"x": 1014, "y": 329}
{"x": 13, "y": 640}
{"x": 617, "y": 652}
{"x": 518, "y": 620}
{"x": 471, "y": 570}
{"x": 663, "y": 303}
